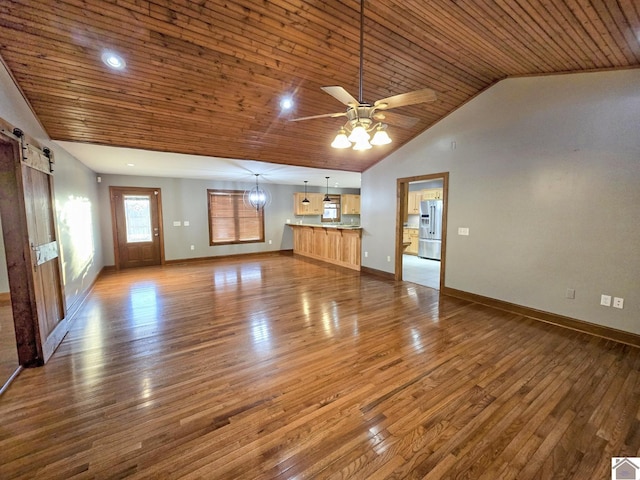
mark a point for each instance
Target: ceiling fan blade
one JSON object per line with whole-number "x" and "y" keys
{"x": 341, "y": 95}
{"x": 395, "y": 119}
{"x": 324, "y": 115}
{"x": 409, "y": 98}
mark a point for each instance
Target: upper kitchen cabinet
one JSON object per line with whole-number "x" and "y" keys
{"x": 350, "y": 204}
{"x": 314, "y": 207}
{"x": 431, "y": 194}
{"x": 413, "y": 207}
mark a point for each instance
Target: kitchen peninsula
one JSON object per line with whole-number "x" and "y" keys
{"x": 337, "y": 244}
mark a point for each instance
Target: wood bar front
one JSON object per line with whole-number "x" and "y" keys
{"x": 332, "y": 244}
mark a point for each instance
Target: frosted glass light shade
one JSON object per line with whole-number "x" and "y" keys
{"x": 362, "y": 145}
{"x": 358, "y": 134}
{"x": 381, "y": 137}
{"x": 341, "y": 140}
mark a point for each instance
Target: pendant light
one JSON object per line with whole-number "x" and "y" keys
{"x": 306, "y": 200}
{"x": 257, "y": 197}
{"x": 326, "y": 198}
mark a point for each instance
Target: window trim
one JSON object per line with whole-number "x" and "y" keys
{"x": 239, "y": 199}
{"x": 337, "y": 200}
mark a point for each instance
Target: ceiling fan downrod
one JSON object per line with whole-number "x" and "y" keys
{"x": 361, "y": 50}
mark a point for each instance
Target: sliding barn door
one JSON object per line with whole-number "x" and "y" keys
{"x": 31, "y": 245}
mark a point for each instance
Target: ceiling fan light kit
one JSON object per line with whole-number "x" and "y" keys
{"x": 364, "y": 118}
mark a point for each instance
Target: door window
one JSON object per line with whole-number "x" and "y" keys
{"x": 137, "y": 210}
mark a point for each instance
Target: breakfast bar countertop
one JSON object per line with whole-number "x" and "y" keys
{"x": 328, "y": 225}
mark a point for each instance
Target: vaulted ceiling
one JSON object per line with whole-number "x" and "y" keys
{"x": 206, "y": 77}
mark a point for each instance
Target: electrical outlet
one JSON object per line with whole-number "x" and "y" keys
{"x": 270, "y": 242}
{"x": 193, "y": 247}
{"x": 463, "y": 231}
{"x": 388, "y": 258}
{"x": 366, "y": 254}
{"x": 186, "y": 223}
{"x": 571, "y": 293}
{"x": 618, "y": 302}
{"x": 605, "y": 300}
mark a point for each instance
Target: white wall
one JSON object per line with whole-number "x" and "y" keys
{"x": 546, "y": 175}
{"x": 75, "y": 198}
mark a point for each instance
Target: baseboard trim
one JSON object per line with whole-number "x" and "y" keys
{"x": 377, "y": 273}
{"x": 73, "y": 309}
{"x": 10, "y": 380}
{"x": 552, "y": 318}
{"x": 230, "y": 257}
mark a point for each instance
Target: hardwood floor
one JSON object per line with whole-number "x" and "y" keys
{"x": 281, "y": 368}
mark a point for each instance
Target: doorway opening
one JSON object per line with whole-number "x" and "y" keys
{"x": 421, "y": 229}
{"x": 9, "y": 362}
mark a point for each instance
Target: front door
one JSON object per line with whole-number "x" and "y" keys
{"x": 137, "y": 224}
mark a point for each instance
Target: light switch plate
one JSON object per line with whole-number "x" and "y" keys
{"x": 605, "y": 300}
{"x": 185, "y": 223}
{"x": 176, "y": 224}
{"x": 463, "y": 231}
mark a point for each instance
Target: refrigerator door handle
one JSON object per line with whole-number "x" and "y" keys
{"x": 433, "y": 213}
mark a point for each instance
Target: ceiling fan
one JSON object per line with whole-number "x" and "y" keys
{"x": 363, "y": 118}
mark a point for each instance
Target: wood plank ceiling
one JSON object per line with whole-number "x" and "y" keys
{"x": 206, "y": 77}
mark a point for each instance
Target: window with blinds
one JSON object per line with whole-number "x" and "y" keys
{"x": 231, "y": 221}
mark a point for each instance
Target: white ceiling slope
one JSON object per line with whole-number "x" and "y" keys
{"x": 127, "y": 161}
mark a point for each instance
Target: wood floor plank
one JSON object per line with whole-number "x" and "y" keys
{"x": 279, "y": 368}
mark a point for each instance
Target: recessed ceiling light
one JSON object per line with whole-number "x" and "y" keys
{"x": 113, "y": 60}
{"x": 286, "y": 103}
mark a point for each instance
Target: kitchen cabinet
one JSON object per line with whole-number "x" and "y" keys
{"x": 411, "y": 235}
{"x": 432, "y": 194}
{"x": 350, "y": 204}
{"x": 314, "y": 207}
{"x": 413, "y": 207}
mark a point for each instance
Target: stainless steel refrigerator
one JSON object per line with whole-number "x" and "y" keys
{"x": 430, "y": 233}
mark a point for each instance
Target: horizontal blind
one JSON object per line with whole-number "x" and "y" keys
{"x": 231, "y": 221}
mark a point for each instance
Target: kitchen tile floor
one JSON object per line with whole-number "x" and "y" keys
{"x": 421, "y": 271}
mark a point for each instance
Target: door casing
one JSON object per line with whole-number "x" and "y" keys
{"x": 402, "y": 197}
{"x": 116, "y": 194}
